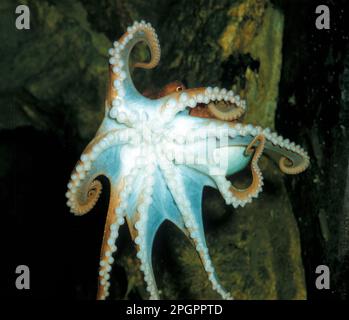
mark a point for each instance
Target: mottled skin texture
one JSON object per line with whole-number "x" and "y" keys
{"x": 148, "y": 147}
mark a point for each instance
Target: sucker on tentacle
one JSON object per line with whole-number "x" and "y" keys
{"x": 159, "y": 150}
{"x": 177, "y": 189}
{"x": 257, "y": 180}
{"x": 115, "y": 218}
{"x": 225, "y": 111}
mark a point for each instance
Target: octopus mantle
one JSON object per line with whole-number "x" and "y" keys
{"x": 158, "y": 155}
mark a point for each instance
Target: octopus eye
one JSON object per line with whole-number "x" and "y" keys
{"x": 179, "y": 88}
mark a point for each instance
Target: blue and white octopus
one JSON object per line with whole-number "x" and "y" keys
{"x": 158, "y": 158}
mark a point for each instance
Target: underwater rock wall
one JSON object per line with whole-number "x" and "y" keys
{"x": 313, "y": 109}
{"x": 53, "y": 75}
{"x": 254, "y": 30}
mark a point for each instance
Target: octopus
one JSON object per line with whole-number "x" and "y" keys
{"x": 159, "y": 151}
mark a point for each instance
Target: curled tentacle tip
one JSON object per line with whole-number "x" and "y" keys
{"x": 287, "y": 166}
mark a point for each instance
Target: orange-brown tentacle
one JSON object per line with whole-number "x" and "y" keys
{"x": 257, "y": 179}
{"x": 106, "y": 260}
{"x": 227, "y": 113}
{"x": 287, "y": 166}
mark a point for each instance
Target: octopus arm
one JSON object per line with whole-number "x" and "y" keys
{"x": 225, "y": 112}
{"x": 161, "y": 208}
{"x": 291, "y": 159}
{"x": 186, "y": 187}
{"x": 244, "y": 146}
{"x": 121, "y": 83}
{"x": 127, "y": 191}
{"x": 84, "y": 188}
{"x": 129, "y": 199}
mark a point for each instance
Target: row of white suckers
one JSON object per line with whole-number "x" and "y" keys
{"x": 178, "y": 191}
{"x": 173, "y": 105}
{"x": 136, "y": 27}
{"x": 118, "y": 110}
{"x": 224, "y": 186}
{"x": 205, "y": 96}
{"x": 128, "y": 135}
{"x": 140, "y": 225}
{"x": 210, "y": 94}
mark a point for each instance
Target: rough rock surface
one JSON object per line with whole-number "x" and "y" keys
{"x": 313, "y": 110}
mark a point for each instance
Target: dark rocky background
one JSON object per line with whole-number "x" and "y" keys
{"x": 296, "y": 80}
{"x": 313, "y": 106}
